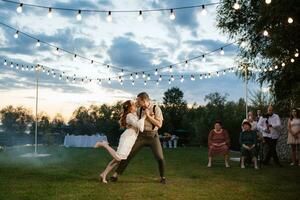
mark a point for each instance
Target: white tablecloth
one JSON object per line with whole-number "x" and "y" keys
{"x": 83, "y": 140}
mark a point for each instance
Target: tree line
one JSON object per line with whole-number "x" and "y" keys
{"x": 190, "y": 122}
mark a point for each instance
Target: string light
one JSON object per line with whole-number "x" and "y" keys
{"x": 203, "y": 58}
{"x": 122, "y": 72}
{"x": 145, "y": 82}
{"x": 20, "y": 8}
{"x": 192, "y": 77}
{"x": 16, "y": 35}
{"x": 283, "y": 64}
{"x": 148, "y": 78}
{"x": 170, "y": 69}
{"x": 50, "y": 13}
{"x": 222, "y": 51}
{"x": 181, "y": 79}
{"x": 292, "y": 60}
{"x": 38, "y": 44}
{"x": 11, "y": 65}
{"x": 268, "y": 1}
{"x": 5, "y": 63}
{"x": 160, "y": 78}
{"x": 56, "y": 51}
{"x": 169, "y": 81}
{"x": 78, "y": 16}
{"x": 236, "y": 5}
{"x": 131, "y": 77}
{"x": 136, "y": 75}
{"x": 17, "y": 66}
{"x": 109, "y": 81}
{"x": 186, "y": 64}
{"x": 140, "y": 18}
{"x": 156, "y": 72}
{"x": 172, "y": 14}
{"x": 290, "y": 20}
{"x": 296, "y": 54}
{"x": 132, "y": 82}
{"x": 203, "y": 11}
{"x": 109, "y": 17}
{"x": 157, "y": 82}
{"x": 172, "y": 78}
{"x": 265, "y": 33}
{"x": 143, "y": 75}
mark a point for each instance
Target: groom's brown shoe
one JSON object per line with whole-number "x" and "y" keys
{"x": 113, "y": 179}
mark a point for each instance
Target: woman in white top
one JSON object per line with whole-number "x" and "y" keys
{"x": 133, "y": 125}
{"x": 294, "y": 136}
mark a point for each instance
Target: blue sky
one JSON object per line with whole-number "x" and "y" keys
{"x": 125, "y": 42}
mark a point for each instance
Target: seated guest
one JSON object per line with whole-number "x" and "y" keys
{"x": 218, "y": 143}
{"x": 248, "y": 142}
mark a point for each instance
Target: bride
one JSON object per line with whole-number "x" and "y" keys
{"x": 133, "y": 125}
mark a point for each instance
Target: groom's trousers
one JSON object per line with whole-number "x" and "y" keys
{"x": 142, "y": 140}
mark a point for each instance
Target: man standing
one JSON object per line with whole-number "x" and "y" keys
{"x": 149, "y": 137}
{"x": 269, "y": 126}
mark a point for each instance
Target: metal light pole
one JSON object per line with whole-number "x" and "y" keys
{"x": 246, "y": 89}
{"x": 36, "y": 108}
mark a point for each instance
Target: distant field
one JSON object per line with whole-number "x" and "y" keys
{"x": 72, "y": 174}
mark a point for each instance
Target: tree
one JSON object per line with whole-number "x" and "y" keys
{"x": 246, "y": 26}
{"x": 58, "y": 123}
{"x": 174, "y": 109}
{"x": 16, "y": 120}
{"x": 81, "y": 122}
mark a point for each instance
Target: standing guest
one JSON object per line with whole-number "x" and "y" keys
{"x": 248, "y": 144}
{"x": 252, "y": 121}
{"x": 294, "y": 136}
{"x": 269, "y": 126}
{"x": 258, "y": 115}
{"x": 218, "y": 144}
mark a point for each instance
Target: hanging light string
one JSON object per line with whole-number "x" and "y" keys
{"x": 75, "y": 55}
{"x": 146, "y": 78}
{"x": 20, "y": 4}
{"x": 129, "y": 72}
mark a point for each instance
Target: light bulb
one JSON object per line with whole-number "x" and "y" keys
{"x": 11, "y": 65}
{"x": 148, "y": 78}
{"x": 160, "y": 78}
{"x": 145, "y": 83}
{"x": 140, "y": 18}
{"x": 157, "y": 82}
{"x": 109, "y": 17}
{"x": 122, "y": 72}
{"x": 38, "y": 44}
{"x": 265, "y": 33}
{"x": 222, "y": 51}
{"x": 156, "y": 72}
{"x": 136, "y": 75}
{"x": 170, "y": 69}
{"x": 169, "y": 81}
{"x": 203, "y": 11}
{"x": 143, "y": 75}
{"x": 292, "y": 60}
{"x": 56, "y": 51}
{"x": 20, "y": 8}
{"x": 186, "y": 64}
{"x": 5, "y": 63}
{"x": 16, "y": 35}
{"x": 282, "y": 64}
{"x": 172, "y": 14}
{"x": 290, "y": 20}
{"x": 78, "y": 16}
{"x": 109, "y": 81}
{"x": 296, "y": 54}
{"x": 131, "y": 78}
{"x": 181, "y": 79}
{"x": 50, "y": 13}
{"x": 268, "y": 1}
{"x": 236, "y": 5}
{"x": 203, "y": 58}
{"x": 132, "y": 83}
{"x": 276, "y": 67}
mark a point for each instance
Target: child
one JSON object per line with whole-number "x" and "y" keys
{"x": 133, "y": 125}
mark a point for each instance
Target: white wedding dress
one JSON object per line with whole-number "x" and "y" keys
{"x": 129, "y": 136}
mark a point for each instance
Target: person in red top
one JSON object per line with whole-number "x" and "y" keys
{"x": 218, "y": 143}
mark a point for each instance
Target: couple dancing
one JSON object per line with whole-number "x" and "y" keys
{"x": 141, "y": 126}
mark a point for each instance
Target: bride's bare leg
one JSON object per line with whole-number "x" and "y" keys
{"x": 108, "y": 169}
{"x": 110, "y": 150}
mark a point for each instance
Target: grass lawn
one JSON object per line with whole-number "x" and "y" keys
{"x": 71, "y": 173}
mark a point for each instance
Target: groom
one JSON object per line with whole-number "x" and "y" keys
{"x": 149, "y": 137}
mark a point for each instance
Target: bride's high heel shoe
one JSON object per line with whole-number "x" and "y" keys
{"x": 102, "y": 179}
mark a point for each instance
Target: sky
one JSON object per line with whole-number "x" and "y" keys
{"x": 125, "y": 42}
